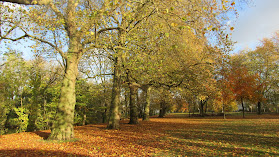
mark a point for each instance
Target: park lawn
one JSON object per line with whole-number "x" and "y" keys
{"x": 171, "y": 136}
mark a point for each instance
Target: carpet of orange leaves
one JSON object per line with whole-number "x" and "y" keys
{"x": 159, "y": 137}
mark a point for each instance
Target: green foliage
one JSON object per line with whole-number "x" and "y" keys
{"x": 3, "y": 117}
{"x": 19, "y": 120}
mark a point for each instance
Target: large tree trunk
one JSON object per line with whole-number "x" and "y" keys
{"x": 259, "y": 108}
{"x": 163, "y": 110}
{"x": 63, "y": 125}
{"x": 114, "y": 117}
{"x": 146, "y": 91}
{"x": 133, "y": 107}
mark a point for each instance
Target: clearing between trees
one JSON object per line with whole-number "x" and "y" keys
{"x": 171, "y": 136}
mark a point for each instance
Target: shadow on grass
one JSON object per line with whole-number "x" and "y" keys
{"x": 35, "y": 153}
{"x": 219, "y": 149}
{"x": 191, "y": 137}
{"x": 235, "y": 138}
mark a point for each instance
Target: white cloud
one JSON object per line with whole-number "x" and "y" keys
{"x": 256, "y": 23}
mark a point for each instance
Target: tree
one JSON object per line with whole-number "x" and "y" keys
{"x": 69, "y": 27}
{"x": 263, "y": 62}
{"x": 72, "y": 28}
{"x": 242, "y": 83}
{"x": 161, "y": 53}
{"x": 41, "y": 77}
{"x": 15, "y": 88}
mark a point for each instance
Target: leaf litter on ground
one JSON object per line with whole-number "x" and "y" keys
{"x": 170, "y": 136}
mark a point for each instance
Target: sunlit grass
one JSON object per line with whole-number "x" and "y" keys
{"x": 223, "y": 137}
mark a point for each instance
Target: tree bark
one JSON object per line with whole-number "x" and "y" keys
{"x": 259, "y": 108}
{"x": 146, "y": 90}
{"x": 126, "y": 101}
{"x": 84, "y": 119}
{"x": 133, "y": 107}
{"x": 201, "y": 108}
{"x": 63, "y": 126}
{"x": 243, "y": 109}
{"x": 163, "y": 110}
{"x": 114, "y": 117}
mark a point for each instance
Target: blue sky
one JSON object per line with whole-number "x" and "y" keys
{"x": 259, "y": 20}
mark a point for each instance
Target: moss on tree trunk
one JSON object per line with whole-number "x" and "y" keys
{"x": 63, "y": 124}
{"x": 114, "y": 117}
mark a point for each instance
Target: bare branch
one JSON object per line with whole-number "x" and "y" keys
{"x": 15, "y": 39}
{"x": 47, "y": 42}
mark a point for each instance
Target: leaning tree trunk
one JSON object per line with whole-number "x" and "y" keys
{"x": 63, "y": 124}
{"x": 133, "y": 107}
{"x": 114, "y": 117}
{"x": 146, "y": 90}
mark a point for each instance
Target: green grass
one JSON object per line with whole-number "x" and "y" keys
{"x": 224, "y": 137}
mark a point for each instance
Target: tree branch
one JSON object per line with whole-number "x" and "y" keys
{"x": 109, "y": 29}
{"x": 49, "y": 43}
{"x": 16, "y": 39}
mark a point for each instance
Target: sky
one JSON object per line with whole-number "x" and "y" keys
{"x": 257, "y": 21}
